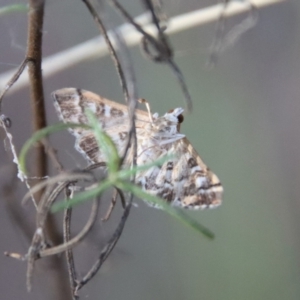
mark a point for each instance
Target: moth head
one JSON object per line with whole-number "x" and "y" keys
{"x": 177, "y": 113}
{"x": 168, "y": 125}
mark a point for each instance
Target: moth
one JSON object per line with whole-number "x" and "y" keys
{"x": 184, "y": 180}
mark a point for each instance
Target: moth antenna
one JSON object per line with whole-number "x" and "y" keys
{"x": 144, "y": 101}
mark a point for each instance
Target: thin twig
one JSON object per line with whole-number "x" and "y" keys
{"x": 131, "y": 101}
{"x": 13, "y": 79}
{"x": 113, "y": 203}
{"x": 132, "y": 92}
{"x": 162, "y": 48}
{"x": 164, "y": 52}
{"x": 155, "y": 8}
{"x": 33, "y": 255}
{"x": 107, "y": 249}
{"x": 9, "y": 138}
{"x": 69, "y": 252}
{"x": 78, "y": 238}
{"x": 112, "y": 52}
{"x": 62, "y": 177}
{"x": 111, "y": 207}
{"x": 38, "y": 241}
{"x": 96, "y": 47}
{"x": 38, "y": 247}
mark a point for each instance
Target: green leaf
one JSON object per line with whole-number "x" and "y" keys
{"x": 41, "y": 134}
{"x": 178, "y": 214}
{"x": 123, "y": 174}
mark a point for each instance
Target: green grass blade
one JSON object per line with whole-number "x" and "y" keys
{"x": 41, "y": 134}
{"x": 178, "y": 214}
{"x": 123, "y": 174}
{"x": 82, "y": 197}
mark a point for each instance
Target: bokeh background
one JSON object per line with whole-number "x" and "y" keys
{"x": 246, "y": 126}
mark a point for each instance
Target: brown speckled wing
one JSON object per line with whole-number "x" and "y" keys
{"x": 184, "y": 180}
{"x": 70, "y": 104}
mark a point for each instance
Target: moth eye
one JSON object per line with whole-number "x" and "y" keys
{"x": 180, "y": 118}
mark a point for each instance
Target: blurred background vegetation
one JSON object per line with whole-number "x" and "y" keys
{"x": 245, "y": 124}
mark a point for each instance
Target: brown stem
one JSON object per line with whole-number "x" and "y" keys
{"x": 34, "y": 56}
{"x": 107, "y": 248}
{"x": 34, "y": 53}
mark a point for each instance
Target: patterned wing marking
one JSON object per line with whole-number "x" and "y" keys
{"x": 86, "y": 144}
{"x": 184, "y": 181}
{"x": 70, "y": 104}
{"x": 201, "y": 188}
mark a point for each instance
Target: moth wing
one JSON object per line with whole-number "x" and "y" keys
{"x": 70, "y": 104}
{"x": 183, "y": 181}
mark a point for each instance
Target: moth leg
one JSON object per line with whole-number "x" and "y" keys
{"x": 113, "y": 204}
{"x": 144, "y": 101}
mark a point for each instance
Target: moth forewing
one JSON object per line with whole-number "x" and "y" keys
{"x": 70, "y": 104}
{"x": 209, "y": 188}
{"x": 183, "y": 181}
